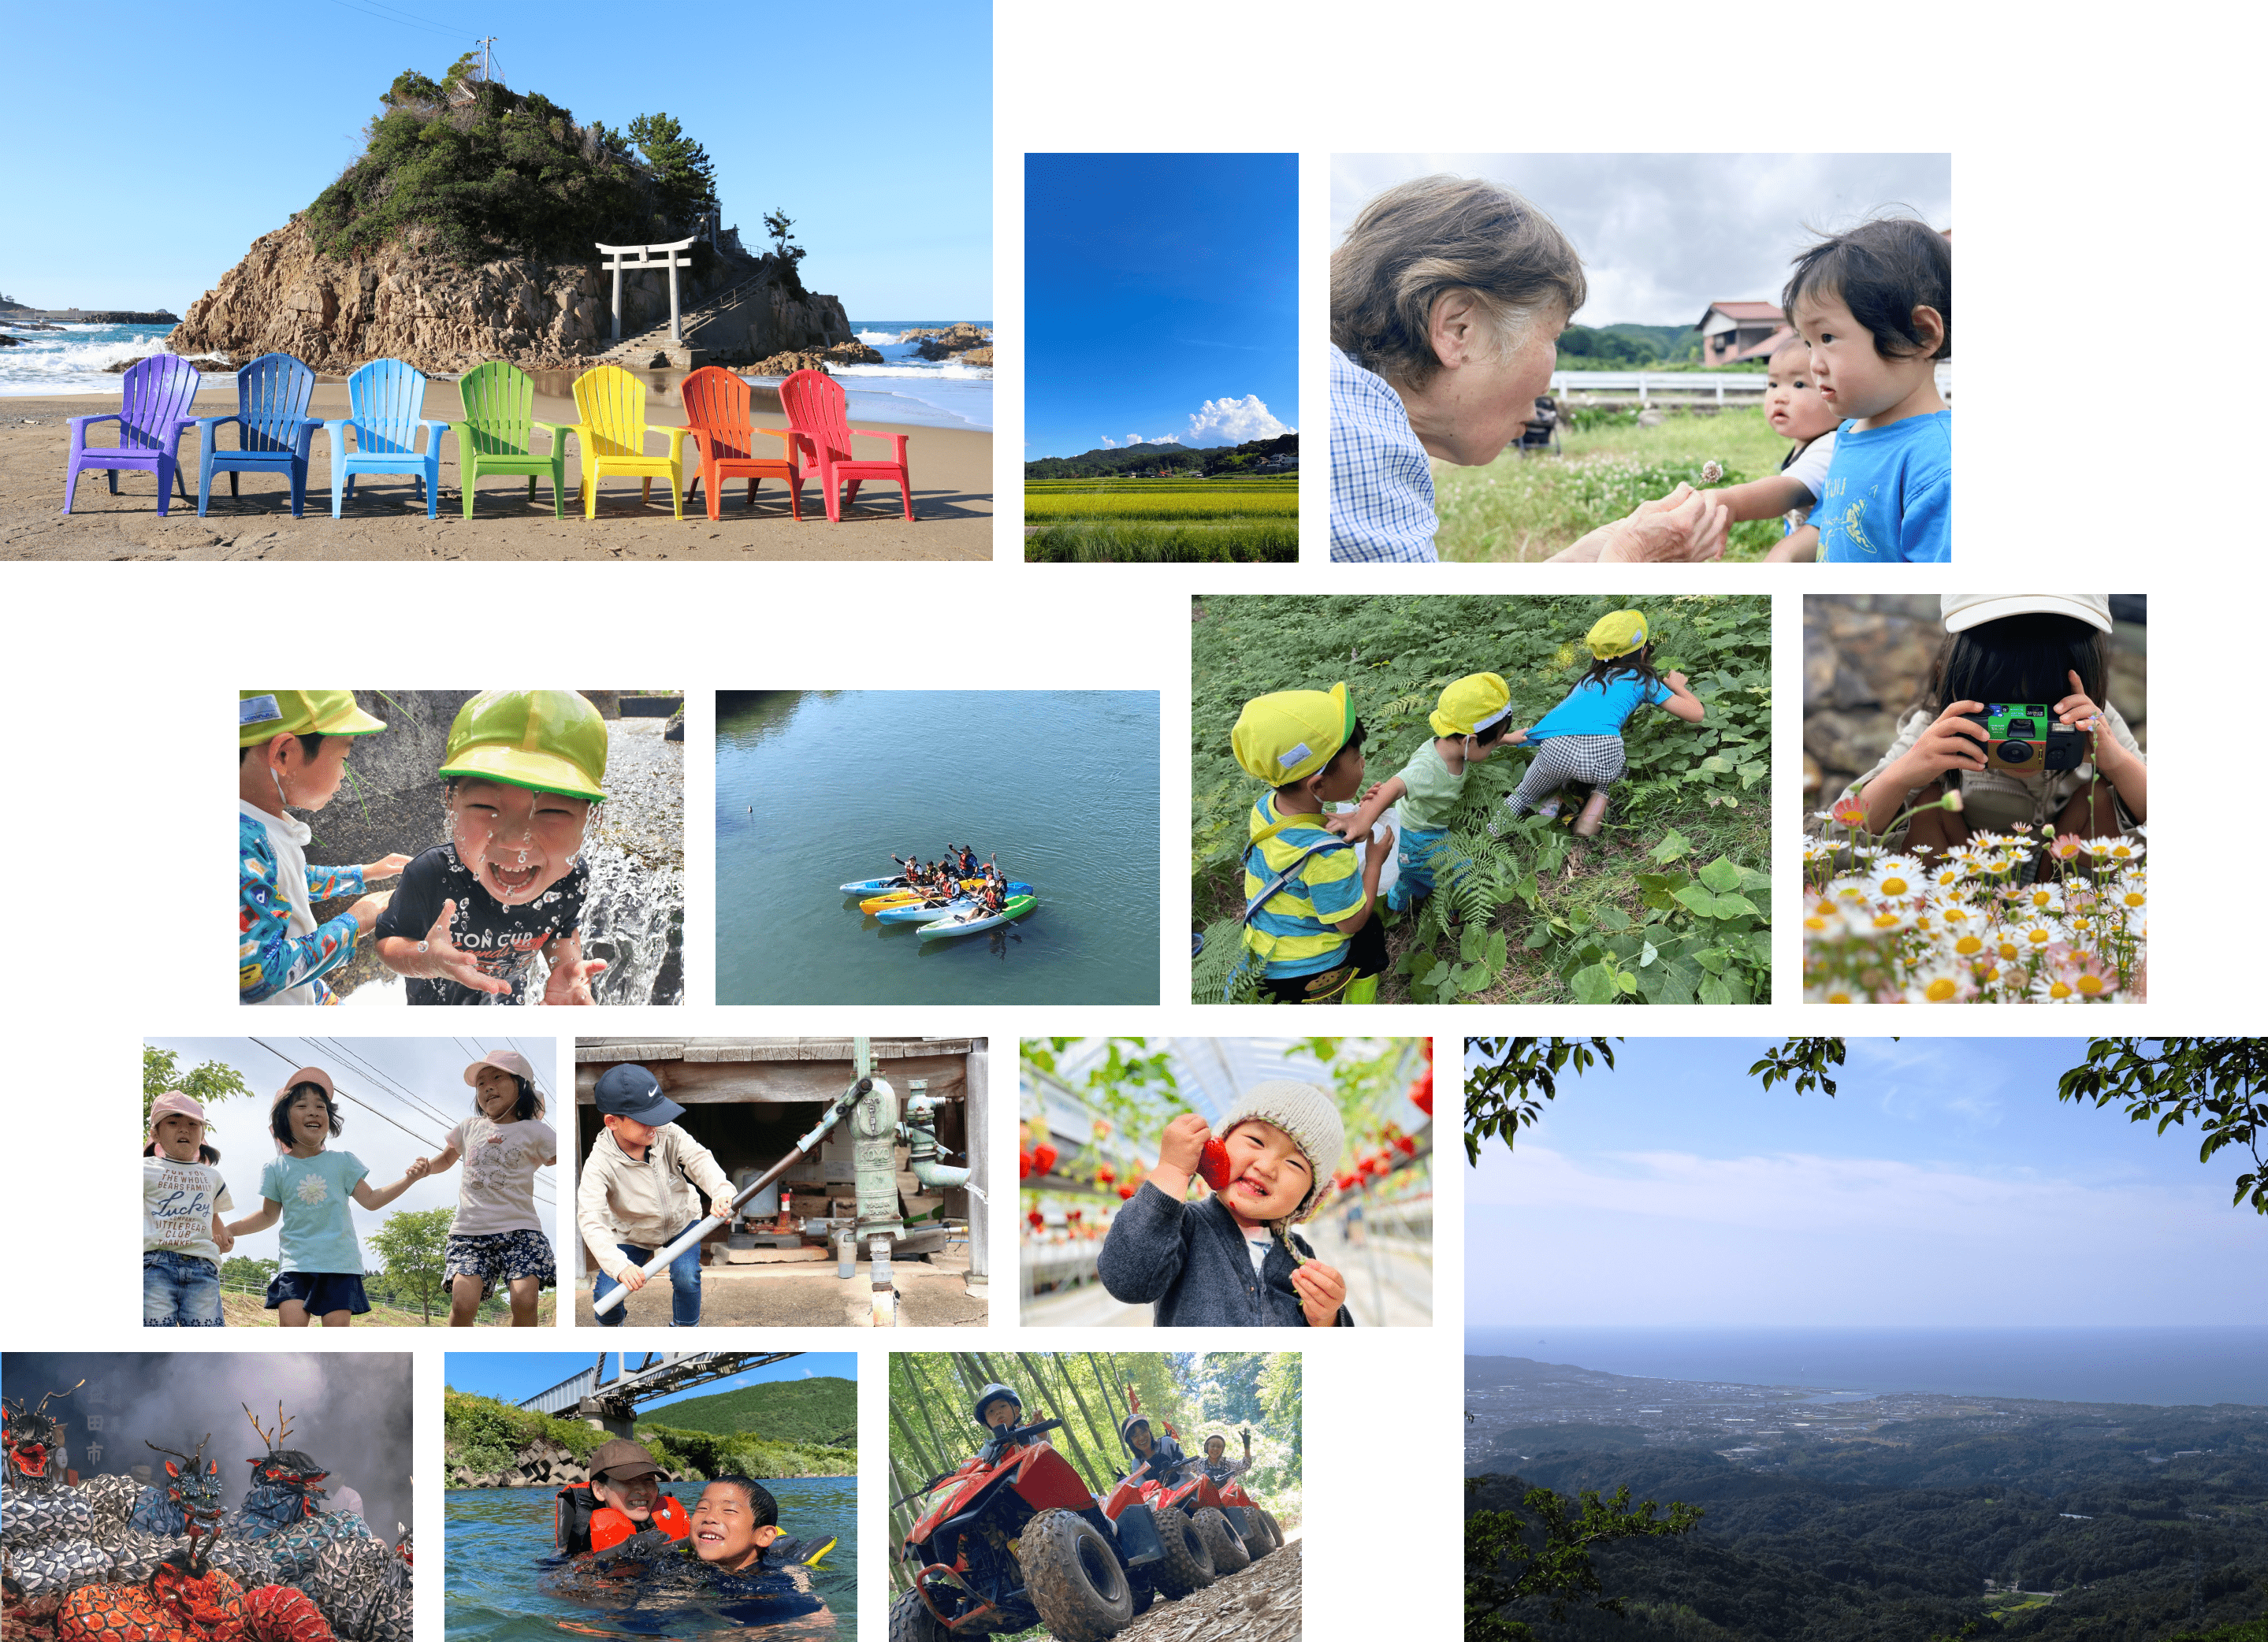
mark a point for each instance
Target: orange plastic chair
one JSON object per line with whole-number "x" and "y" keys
{"x": 725, "y": 434}
{"x": 611, "y": 436}
{"x": 817, "y": 415}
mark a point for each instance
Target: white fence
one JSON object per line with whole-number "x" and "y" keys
{"x": 1687, "y": 382}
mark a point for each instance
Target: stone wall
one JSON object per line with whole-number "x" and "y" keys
{"x": 1867, "y": 660}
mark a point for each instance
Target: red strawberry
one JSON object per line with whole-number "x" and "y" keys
{"x": 1406, "y": 1144}
{"x": 1036, "y": 1218}
{"x": 1023, "y": 1166}
{"x": 1213, "y": 1167}
{"x": 1126, "y": 1191}
{"x": 1044, "y": 1158}
{"x": 1421, "y": 1094}
{"x": 1104, "y": 1173}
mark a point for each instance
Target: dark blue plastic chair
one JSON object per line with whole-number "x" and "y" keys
{"x": 386, "y": 398}
{"x": 274, "y": 431}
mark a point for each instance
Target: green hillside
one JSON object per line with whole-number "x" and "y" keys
{"x": 821, "y": 1412}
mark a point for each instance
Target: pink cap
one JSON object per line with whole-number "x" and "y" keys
{"x": 512, "y": 1062}
{"x": 174, "y": 1103}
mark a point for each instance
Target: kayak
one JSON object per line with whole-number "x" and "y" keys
{"x": 874, "y": 886}
{"x": 916, "y": 912}
{"x": 1018, "y": 905}
{"x": 902, "y": 896}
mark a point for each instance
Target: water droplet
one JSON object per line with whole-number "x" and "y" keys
{"x": 523, "y": 857}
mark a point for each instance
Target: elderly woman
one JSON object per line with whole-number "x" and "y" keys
{"x": 1448, "y": 300}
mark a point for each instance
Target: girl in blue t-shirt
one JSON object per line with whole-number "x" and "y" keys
{"x": 1581, "y": 738}
{"x": 308, "y": 1188}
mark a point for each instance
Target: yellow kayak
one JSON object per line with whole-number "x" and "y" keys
{"x": 907, "y": 897}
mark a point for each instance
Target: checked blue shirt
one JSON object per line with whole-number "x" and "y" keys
{"x": 1381, "y": 481}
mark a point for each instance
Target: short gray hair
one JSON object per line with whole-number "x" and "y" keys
{"x": 1422, "y": 238}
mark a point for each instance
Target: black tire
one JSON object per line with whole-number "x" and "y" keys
{"x": 1186, "y": 1565}
{"x": 1262, "y": 1538}
{"x": 911, "y": 1621}
{"x": 1073, "y": 1578}
{"x": 1275, "y": 1529}
{"x": 1144, "y": 1594}
{"x": 1229, "y": 1555}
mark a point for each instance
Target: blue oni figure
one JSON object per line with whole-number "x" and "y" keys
{"x": 189, "y": 1494}
{"x": 279, "y": 1510}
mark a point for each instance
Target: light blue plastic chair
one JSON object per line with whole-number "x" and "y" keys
{"x": 274, "y": 431}
{"x": 387, "y": 400}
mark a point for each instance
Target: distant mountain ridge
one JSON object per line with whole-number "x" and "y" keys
{"x": 1105, "y": 463}
{"x": 822, "y": 1411}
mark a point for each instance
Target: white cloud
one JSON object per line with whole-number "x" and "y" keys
{"x": 1110, "y": 444}
{"x": 1234, "y": 421}
{"x": 1671, "y": 1237}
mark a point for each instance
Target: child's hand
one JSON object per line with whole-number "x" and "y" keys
{"x": 2076, "y": 710}
{"x": 366, "y": 910}
{"x": 1321, "y": 1291}
{"x": 722, "y": 1209}
{"x": 634, "y": 1279}
{"x": 1675, "y": 681}
{"x": 1381, "y": 838}
{"x": 389, "y": 867}
{"x": 570, "y": 980}
{"x": 1182, "y": 1144}
{"x": 438, "y": 958}
{"x": 224, "y": 1239}
{"x": 1951, "y": 743}
{"x": 1518, "y": 738}
{"x": 418, "y": 1169}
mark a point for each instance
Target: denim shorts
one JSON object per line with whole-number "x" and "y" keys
{"x": 180, "y": 1290}
{"x": 322, "y": 1293}
{"x": 500, "y": 1258}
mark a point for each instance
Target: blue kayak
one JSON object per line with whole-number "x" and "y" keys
{"x": 874, "y": 885}
{"x": 921, "y": 914}
{"x": 1018, "y": 905}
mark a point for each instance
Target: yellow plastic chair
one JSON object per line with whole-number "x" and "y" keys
{"x": 612, "y": 433}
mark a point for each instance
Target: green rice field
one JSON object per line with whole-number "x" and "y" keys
{"x": 1162, "y": 520}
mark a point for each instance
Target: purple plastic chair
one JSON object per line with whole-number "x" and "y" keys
{"x": 274, "y": 431}
{"x": 159, "y": 396}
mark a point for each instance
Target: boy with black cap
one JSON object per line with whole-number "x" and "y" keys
{"x": 291, "y": 752}
{"x": 632, "y": 1197}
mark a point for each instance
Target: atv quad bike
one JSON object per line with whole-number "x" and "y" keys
{"x": 1185, "y": 1493}
{"x": 1013, "y": 1538}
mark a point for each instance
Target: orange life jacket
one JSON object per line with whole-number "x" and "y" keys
{"x": 609, "y": 1527}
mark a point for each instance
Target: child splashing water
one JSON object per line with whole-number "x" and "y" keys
{"x": 497, "y": 1236}
{"x": 307, "y": 1188}
{"x": 291, "y": 752}
{"x": 183, "y": 1236}
{"x": 1231, "y": 1257}
{"x": 522, "y": 770}
{"x": 1582, "y": 737}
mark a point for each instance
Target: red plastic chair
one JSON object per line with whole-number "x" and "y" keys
{"x": 724, "y": 435}
{"x": 816, "y": 414}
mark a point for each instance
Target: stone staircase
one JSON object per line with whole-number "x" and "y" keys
{"x": 637, "y": 352}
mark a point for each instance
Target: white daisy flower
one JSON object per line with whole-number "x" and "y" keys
{"x": 1895, "y": 877}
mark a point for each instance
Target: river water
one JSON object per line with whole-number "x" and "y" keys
{"x": 499, "y": 1539}
{"x": 816, "y": 788}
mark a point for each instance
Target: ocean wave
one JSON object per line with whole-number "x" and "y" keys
{"x": 949, "y": 370}
{"x": 879, "y": 339}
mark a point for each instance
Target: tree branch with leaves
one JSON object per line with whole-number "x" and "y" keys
{"x": 1509, "y": 1559}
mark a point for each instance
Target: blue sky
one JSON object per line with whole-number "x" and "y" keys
{"x": 150, "y": 184}
{"x": 511, "y": 1375}
{"x": 1944, "y": 1186}
{"x": 1161, "y": 299}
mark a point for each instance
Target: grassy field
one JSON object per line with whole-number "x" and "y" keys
{"x": 1162, "y": 521}
{"x": 1670, "y": 904}
{"x": 1529, "y": 507}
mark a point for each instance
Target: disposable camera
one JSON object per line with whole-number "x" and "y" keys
{"x": 2026, "y": 737}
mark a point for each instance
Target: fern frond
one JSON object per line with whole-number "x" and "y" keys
{"x": 1224, "y": 972}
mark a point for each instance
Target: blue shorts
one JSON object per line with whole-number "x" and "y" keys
{"x": 180, "y": 1290}
{"x": 322, "y": 1293}
{"x": 1418, "y": 852}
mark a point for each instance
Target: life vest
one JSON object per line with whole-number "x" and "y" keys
{"x": 581, "y": 1524}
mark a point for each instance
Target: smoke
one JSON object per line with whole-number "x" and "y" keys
{"x": 350, "y": 1411}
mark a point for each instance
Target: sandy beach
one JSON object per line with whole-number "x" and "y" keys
{"x": 952, "y": 474}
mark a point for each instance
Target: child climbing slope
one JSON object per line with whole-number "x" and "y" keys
{"x": 1581, "y": 738}
{"x": 1230, "y": 1258}
{"x": 308, "y": 1188}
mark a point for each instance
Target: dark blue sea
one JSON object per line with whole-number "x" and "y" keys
{"x": 2197, "y": 1366}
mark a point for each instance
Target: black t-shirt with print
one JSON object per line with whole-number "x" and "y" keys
{"x": 503, "y": 939}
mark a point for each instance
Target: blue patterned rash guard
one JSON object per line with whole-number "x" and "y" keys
{"x": 275, "y": 957}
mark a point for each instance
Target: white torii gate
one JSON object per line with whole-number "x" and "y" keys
{"x": 639, "y": 259}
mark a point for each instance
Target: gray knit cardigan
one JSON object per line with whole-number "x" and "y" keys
{"x": 1190, "y": 1259}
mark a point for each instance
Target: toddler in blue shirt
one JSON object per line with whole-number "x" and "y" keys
{"x": 1875, "y": 305}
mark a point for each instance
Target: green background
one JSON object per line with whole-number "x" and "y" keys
{"x": 2094, "y": 179}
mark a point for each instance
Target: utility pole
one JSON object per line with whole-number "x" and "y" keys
{"x": 488, "y": 58}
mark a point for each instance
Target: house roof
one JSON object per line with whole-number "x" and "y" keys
{"x": 1748, "y": 310}
{"x": 1769, "y": 346}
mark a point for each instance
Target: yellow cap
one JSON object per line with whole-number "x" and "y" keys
{"x": 263, "y": 715}
{"x": 1471, "y": 704}
{"x": 548, "y": 740}
{"x": 1289, "y": 735}
{"x": 1617, "y": 635}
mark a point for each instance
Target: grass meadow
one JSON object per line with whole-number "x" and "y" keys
{"x": 1162, "y": 521}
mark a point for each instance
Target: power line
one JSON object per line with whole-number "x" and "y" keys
{"x": 343, "y": 1095}
{"x": 400, "y": 22}
{"x": 408, "y": 1095}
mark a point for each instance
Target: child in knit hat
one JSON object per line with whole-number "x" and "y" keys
{"x": 1230, "y": 1259}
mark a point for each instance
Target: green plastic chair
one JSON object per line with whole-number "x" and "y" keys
{"x": 498, "y": 431}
